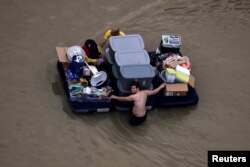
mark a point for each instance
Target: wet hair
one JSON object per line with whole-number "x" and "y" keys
{"x": 136, "y": 84}
{"x": 115, "y": 31}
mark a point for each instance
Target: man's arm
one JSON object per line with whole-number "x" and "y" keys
{"x": 106, "y": 36}
{"x": 103, "y": 41}
{"x": 122, "y": 98}
{"x": 152, "y": 92}
{"x": 101, "y": 50}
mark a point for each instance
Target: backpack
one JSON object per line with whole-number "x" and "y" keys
{"x": 91, "y": 49}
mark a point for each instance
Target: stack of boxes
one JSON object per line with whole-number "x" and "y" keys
{"x": 130, "y": 62}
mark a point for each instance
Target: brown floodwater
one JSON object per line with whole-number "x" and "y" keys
{"x": 37, "y": 126}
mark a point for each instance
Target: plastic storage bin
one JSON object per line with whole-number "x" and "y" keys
{"x": 109, "y": 58}
{"x": 122, "y": 44}
{"x": 144, "y": 74}
{"x": 115, "y": 71}
{"x": 121, "y": 90}
{"x": 132, "y": 58}
{"x": 126, "y": 43}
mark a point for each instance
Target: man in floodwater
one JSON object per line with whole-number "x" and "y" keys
{"x": 139, "y": 97}
{"x": 114, "y": 31}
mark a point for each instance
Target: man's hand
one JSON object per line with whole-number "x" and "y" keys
{"x": 113, "y": 97}
{"x": 163, "y": 85}
{"x": 153, "y": 92}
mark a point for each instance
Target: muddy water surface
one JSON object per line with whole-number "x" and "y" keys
{"x": 37, "y": 127}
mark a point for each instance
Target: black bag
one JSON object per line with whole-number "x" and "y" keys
{"x": 91, "y": 49}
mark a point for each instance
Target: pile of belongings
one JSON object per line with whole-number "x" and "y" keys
{"x": 89, "y": 93}
{"x": 85, "y": 82}
{"x": 175, "y": 68}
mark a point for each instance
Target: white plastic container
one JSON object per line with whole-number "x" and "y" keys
{"x": 179, "y": 68}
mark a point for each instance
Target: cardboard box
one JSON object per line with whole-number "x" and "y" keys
{"x": 61, "y": 53}
{"x": 171, "y": 41}
{"x": 176, "y": 89}
{"x": 84, "y": 82}
{"x": 191, "y": 81}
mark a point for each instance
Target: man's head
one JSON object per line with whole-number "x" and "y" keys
{"x": 135, "y": 87}
{"x": 115, "y": 31}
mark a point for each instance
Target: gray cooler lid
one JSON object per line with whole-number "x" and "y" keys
{"x": 137, "y": 71}
{"x": 126, "y": 42}
{"x": 132, "y": 57}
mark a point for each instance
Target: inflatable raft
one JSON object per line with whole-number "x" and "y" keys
{"x": 128, "y": 61}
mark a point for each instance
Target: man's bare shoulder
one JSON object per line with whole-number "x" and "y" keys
{"x": 147, "y": 91}
{"x": 141, "y": 93}
{"x": 133, "y": 95}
